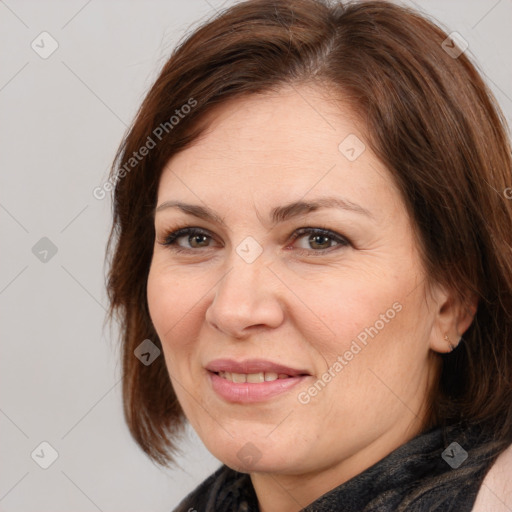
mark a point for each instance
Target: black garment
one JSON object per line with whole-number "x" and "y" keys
{"x": 417, "y": 476}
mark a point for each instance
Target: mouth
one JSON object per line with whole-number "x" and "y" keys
{"x": 252, "y": 380}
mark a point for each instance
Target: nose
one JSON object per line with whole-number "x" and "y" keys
{"x": 247, "y": 298}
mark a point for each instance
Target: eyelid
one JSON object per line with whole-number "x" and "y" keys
{"x": 300, "y": 232}
{"x": 171, "y": 235}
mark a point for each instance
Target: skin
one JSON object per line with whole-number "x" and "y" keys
{"x": 302, "y": 302}
{"x": 496, "y": 490}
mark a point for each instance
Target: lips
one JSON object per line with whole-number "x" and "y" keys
{"x": 252, "y": 377}
{"x": 252, "y": 366}
{"x": 252, "y": 380}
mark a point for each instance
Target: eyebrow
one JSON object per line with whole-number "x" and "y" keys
{"x": 278, "y": 214}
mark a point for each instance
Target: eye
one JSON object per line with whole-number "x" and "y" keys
{"x": 309, "y": 240}
{"x": 187, "y": 239}
{"x": 318, "y": 240}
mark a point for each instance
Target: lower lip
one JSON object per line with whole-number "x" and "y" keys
{"x": 247, "y": 392}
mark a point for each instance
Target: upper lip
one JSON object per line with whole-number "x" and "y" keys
{"x": 252, "y": 366}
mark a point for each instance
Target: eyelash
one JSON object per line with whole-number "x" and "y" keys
{"x": 170, "y": 239}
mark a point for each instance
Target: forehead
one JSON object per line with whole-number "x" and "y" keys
{"x": 294, "y": 123}
{"x": 294, "y": 141}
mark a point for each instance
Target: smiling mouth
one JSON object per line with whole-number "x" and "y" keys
{"x": 235, "y": 387}
{"x": 253, "y": 378}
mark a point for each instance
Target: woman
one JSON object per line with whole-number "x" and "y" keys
{"x": 311, "y": 224}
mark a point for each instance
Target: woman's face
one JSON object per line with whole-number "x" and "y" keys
{"x": 295, "y": 320}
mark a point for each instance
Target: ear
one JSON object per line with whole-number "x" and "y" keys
{"x": 451, "y": 318}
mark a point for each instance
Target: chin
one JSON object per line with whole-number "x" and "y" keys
{"x": 255, "y": 453}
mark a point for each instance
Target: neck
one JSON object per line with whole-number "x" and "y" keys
{"x": 291, "y": 493}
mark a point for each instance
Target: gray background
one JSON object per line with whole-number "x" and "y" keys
{"x": 62, "y": 119}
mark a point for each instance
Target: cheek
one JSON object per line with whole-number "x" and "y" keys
{"x": 377, "y": 345}
{"x": 177, "y": 312}
{"x": 173, "y": 306}
{"x": 161, "y": 302}
{"x": 372, "y": 321}
{"x": 174, "y": 311}
{"x": 347, "y": 308}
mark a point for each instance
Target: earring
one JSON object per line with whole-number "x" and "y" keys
{"x": 452, "y": 346}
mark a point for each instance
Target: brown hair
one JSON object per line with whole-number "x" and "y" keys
{"x": 428, "y": 116}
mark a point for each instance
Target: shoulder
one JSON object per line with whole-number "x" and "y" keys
{"x": 222, "y": 491}
{"x": 495, "y": 494}
{"x": 200, "y": 496}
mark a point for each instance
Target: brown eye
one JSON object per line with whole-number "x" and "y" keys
{"x": 318, "y": 240}
{"x": 198, "y": 240}
{"x": 188, "y": 239}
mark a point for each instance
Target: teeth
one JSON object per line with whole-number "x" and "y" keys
{"x": 252, "y": 377}
{"x": 256, "y": 377}
{"x": 239, "y": 377}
